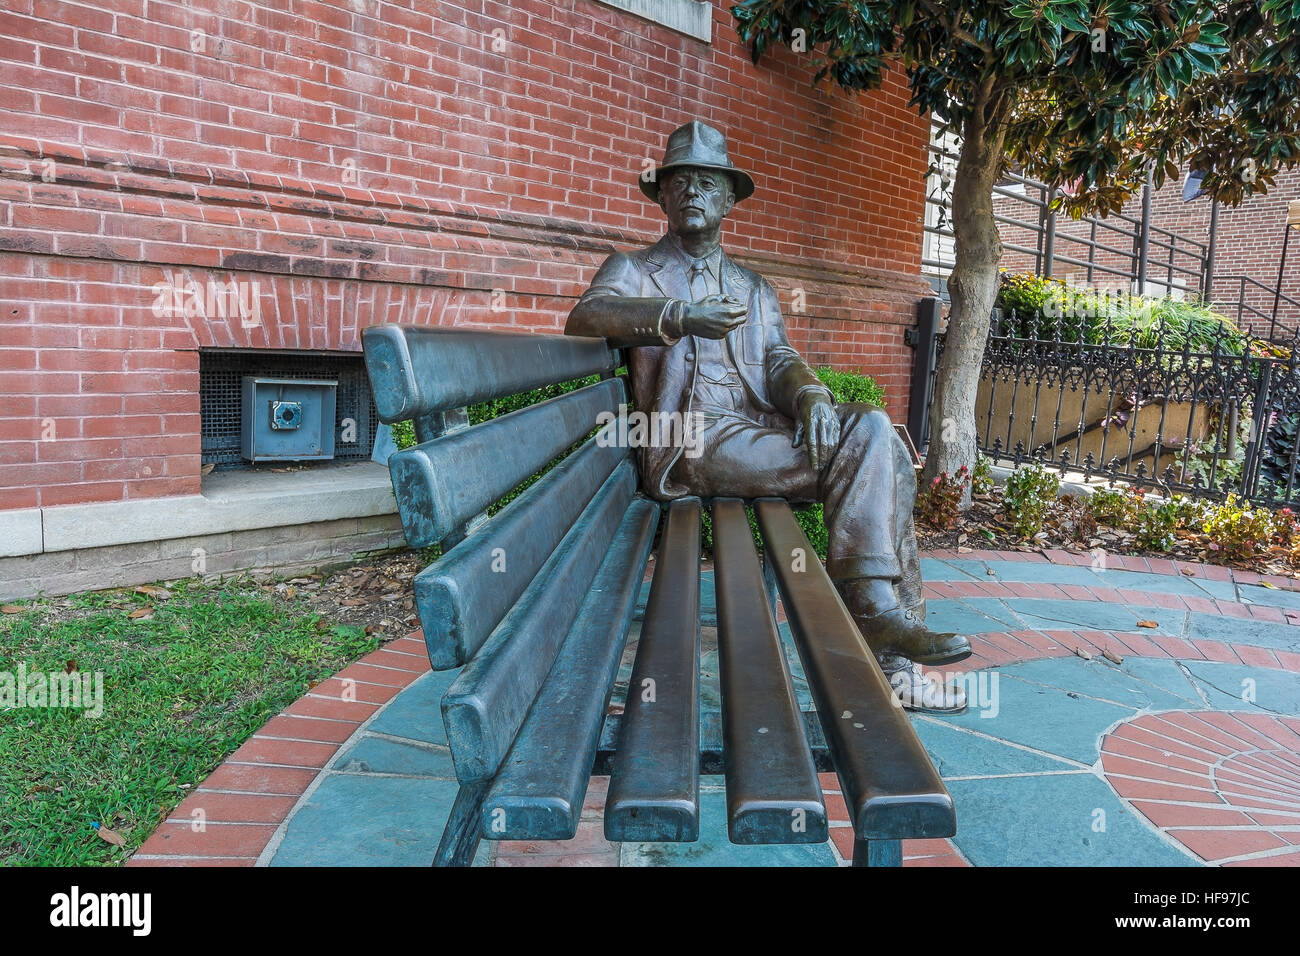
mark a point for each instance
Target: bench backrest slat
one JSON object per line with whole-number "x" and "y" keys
{"x": 466, "y": 593}
{"x": 443, "y": 483}
{"x": 486, "y": 705}
{"x": 415, "y": 371}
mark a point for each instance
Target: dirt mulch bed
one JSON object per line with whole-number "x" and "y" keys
{"x": 985, "y": 528}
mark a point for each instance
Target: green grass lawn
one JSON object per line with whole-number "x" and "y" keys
{"x": 183, "y": 687}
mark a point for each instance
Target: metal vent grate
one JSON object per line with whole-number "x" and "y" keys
{"x": 220, "y": 380}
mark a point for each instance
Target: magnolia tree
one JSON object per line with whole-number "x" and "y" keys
{"x": 1094, "y": 96}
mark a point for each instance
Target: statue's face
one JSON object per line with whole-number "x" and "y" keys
{"x": 695, "y": 200}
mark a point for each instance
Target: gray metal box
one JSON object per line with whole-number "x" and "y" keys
{"x": 287, "y": 419}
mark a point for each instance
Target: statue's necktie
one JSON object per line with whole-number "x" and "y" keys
{"x": 699, "y": 280}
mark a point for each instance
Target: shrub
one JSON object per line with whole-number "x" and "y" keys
{"x": 1156, "y": 525}
{"x": 982, "y": 477}
{"x": 1118, "y": 509}
{"x": 1191, "y": 512}
{"x": 403, "y": 434}
{"x": 1046, "y": 309}
{"x": 1286, "y": 530}
{"x": 851, "y": 386}
{"x": 938, "y": 503}
{"x": 1238, "y": 531}
{"x": 1029, "y": 494}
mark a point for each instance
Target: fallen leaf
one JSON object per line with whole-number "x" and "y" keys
{"x": 1148, "y": 624}
{"x": 1086, "y": 655}
{"x": 1265, "y": 584}
{"x": 69, "y": 667}
{"x": 109, "y": 835}
{"x": 1112, "y": 656}
{"x": 141, "y": 614}
{"x": 151, "y": 591}
{"x": 207, "y": 469}
{"x": 12, "y": 609}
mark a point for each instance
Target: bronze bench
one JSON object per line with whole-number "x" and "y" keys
{"x": 535, "y": 604}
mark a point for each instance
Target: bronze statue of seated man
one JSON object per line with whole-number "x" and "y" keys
{"x": 707, "y": 343}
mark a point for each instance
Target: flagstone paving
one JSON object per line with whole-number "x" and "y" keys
{"x": 1128, "y": 713}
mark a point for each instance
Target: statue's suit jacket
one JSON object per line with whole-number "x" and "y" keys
{"x": 624, "y": 304}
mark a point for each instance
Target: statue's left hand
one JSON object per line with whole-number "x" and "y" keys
{"x": 819, "y": 424}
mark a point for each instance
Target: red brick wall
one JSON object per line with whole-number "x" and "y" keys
{"x": 1249, "y": 244}
{"x": 369, "y": 162}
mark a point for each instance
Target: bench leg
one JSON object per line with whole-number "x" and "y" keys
{"x": 461, "y": 835}
{"x": 877, "y": 852}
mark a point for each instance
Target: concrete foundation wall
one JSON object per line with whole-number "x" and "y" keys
{"x": 286, "y": 549}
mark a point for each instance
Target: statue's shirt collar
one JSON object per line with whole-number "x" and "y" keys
{"x": 712, "y": 262}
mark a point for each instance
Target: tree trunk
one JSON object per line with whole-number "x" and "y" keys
{"x": 973, "y": 289}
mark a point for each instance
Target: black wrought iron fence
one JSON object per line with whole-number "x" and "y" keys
{"x": 1205, "y": 411}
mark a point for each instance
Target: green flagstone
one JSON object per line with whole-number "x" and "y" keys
{"x": 1102, "y": 679}
{"x": 1223, "y": 590}
{"x": 1226, "y": 686}
{"x": 368, "y": 821}
{"x": 1051, "y": 614}
{"x": 1236, "y": 630}
{"x": 1054, "y": 820}
{"x": 1273, "y": 597}
{"x": 971, "y": 616}
{"x": 1035, "y": 572}
{"x": 953, "y": 569}
{"x": 1168, "y": 676}
{"x": 380, "y": 755}
{"x": 714, "y": 848}
{"x": 1161, "y": 583}
{"x": 1044, "y": 716}
{"x": 416, "y": 712}
{"x": 959, "y": 754}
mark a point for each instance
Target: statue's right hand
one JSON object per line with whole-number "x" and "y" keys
{"x": 713, "y": 316}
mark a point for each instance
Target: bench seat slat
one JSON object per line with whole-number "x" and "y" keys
{"x": 891, "y": 788}
{"x": 654, "y": 790}
{"x": 417, "y": 370}
{"x": 487, "y": 702}
{"x": 539, "y": 791}
{"x": 773, "y": 795}
{"x": 465, "y": 594}
{"x": 441, "y": 484}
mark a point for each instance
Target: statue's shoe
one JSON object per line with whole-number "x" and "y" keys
{"x": 917, "y": 691}
{"x": 899, "y": 632}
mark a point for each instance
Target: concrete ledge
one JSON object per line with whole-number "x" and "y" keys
{"x": 230, "y": 501}
{"x": 285, "y": 549}
{"x": 20, "y": 532}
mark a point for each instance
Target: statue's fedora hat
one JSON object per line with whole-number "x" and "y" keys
{"x": 700, "y": 145}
